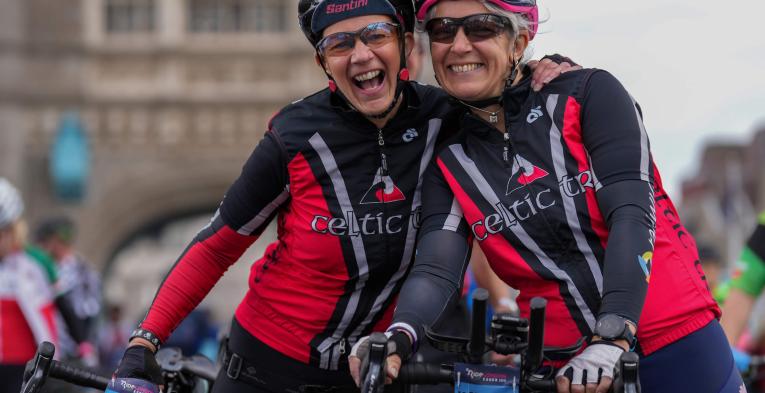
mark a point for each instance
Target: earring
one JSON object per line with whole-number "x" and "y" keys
{"x": 404, "y": 74}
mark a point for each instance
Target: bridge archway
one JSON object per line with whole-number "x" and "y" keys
{"x": 131, "y": 237}
{"x": 127, "y": 206}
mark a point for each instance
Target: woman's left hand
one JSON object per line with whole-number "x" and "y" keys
{"x": 546, "y": 70}
{"x": 592, "y": 371}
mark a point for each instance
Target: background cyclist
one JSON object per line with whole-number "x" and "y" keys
{"x": 26, "y": 299}
{"x": 743, "y": 289}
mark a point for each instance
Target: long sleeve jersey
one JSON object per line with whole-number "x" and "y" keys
{"x": 347, "y": 198}
{"x": 567, "y": 205}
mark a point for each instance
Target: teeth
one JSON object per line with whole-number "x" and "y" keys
{"x": 367, "y": 76}
{"x": 465, "y": 67}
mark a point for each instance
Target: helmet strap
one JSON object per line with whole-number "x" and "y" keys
{"x": 513, "y": 72}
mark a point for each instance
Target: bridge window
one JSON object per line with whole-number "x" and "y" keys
{"x": 130, "y": 16}
{"x": 234, "y": 16}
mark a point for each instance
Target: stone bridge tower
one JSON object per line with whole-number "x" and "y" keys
{"x": 174, "y": 95}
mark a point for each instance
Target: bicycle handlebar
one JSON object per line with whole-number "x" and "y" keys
{"x": 424, "y": 374}
{"x": 171, "y": 360}
{"x": 477, "y": 345}
{"x": 78, "y": 376}
{"x": 44, "y": 365}
{"x": 534, "y": 352}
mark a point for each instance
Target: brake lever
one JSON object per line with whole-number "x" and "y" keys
{"x": 35, "y": 378}
{"x": 374, "y": 382}
{"x": 628, "y": 380}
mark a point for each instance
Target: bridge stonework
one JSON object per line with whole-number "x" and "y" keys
{"x": 170, "y": 115}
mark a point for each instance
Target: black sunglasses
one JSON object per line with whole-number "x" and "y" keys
{"x": 477, "y": 27}
{"x": 373, "y": 35}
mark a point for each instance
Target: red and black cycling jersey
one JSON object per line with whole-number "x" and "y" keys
{"x": 567, "y": 205}
{"x": 346, "y": 196}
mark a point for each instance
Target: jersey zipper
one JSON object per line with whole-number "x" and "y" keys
{"x": 383, "y": 159}
{"x": 384, "y": 170}
{"x": 506, "y": 150}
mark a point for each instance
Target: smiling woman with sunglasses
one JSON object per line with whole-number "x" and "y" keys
{"x": 560, "y": 191}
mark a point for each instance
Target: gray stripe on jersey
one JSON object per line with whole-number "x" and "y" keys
{"x": 252, "y": 226}
{"x": 455, "y": 216}
{"x": 559, "y": 163}
{"x": 434, "y": 127}
{"x": 330, "y": 165}
{"x": 520, "y": 233}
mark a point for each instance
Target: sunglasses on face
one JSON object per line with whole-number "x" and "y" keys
{"x": 373, "y": 36}
{"x": 477, "y": 27}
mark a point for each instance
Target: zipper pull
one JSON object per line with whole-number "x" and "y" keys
{"x": 342, "y": 347}
{"x": 384, "y": 164}
{"x": 506, "y": 150}
{"x": 383, "y": 159}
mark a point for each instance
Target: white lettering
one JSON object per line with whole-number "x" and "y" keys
{"x": 368, "y": 224}
{"x": 507, "y": 216}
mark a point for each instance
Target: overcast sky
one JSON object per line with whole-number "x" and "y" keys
{"x": 697, "y": 67}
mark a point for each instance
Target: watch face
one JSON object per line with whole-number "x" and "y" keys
{"x": 609, "y": 327}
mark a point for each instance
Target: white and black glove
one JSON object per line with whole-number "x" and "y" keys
{"x": 596, "y": 362}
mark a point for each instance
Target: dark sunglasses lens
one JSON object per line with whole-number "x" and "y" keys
{"x": 483, "y": 27}
{"x": 338, "y": 44}
{"x": 441, "y": 30}
{"x": 378, "y": 34}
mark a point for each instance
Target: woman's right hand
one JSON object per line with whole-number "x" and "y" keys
{"x": 399, "y": 347}
{"x": 139, "y": 362}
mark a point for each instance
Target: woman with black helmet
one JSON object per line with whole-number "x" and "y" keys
{"x": 560, "y": 191}
{"x": 340, "y": 170}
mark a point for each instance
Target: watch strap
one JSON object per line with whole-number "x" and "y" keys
{"x": 146, "y": 335}
{"x": 626, "y": 333}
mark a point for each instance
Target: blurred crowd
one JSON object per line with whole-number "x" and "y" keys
{"x": 49, "y": 292}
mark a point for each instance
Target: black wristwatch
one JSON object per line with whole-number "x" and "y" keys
{"x": 611, "y": 327}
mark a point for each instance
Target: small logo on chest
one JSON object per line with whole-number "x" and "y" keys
{"x": 523, "y": 173}
{"x": 383, "y": 190}
{"x": 409, "y": 135}
{"x": 535, "y": 114}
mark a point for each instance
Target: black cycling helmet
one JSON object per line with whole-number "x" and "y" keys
{"x": 306, "y": 8}
{"x": 404, "y": 12}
